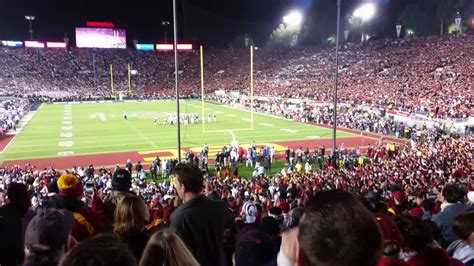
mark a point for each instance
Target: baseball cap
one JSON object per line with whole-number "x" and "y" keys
{"x": 254, "y": 247}
{"x": 122, "y": 180}
{"x": 48, "y": 230}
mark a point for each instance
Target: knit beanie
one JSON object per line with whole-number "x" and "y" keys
{"x": 70, "y": 186}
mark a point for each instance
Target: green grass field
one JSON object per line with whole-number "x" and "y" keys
{"x": 91, "y": 128}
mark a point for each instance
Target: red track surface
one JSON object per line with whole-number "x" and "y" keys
{"x": 110, "y": 159}
{"x": 5, "y": 141}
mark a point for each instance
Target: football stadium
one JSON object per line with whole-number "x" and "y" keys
{"x": 244, "y": 133}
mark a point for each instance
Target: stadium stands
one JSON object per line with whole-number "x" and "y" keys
{"x": 420, "y": 195}
{"x": 431, "y": 75}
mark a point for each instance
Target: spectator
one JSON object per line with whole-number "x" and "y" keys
{"x": 450, "y": 208}
{"x": 254, "y": 248}
{"x": 393, "y": 242}
{"x": 195, "y": 220}
{"x": 419, "y": 248}
{"x": 11, "y": 246}
{"x": 327, "y": 237}
{"x": 102, "y": 249}
{"x": 87, "y": 221}
{"x": 463, "y": 249}
{"x": 121, "y": 183}
{"x": 167, "y": 249}
{"x": 131, "y": 216}
{"x": 47, "y": 236}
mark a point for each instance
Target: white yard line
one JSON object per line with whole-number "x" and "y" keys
{"x": 23, "y": 122}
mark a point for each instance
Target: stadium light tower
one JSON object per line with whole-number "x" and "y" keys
{"x": 364, "y": 13}
{"x": 294, "y": 18}
{"x": 30, "y": 19}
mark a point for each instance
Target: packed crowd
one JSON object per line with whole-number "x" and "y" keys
{"x": 393, "y": 205}
{"x": 354, "y": 117}
{"x": 431, "y": 75}
{"x": 11, "y": 111}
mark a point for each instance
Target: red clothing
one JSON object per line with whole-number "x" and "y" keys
{"x": 167, "y": 210}
{"x": 433, "y": 257}
{"x": 386, "y": 261}
{"x": 417, "y": 212}
{"x": 87, "y": 221}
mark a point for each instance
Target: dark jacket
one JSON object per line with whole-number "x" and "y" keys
{"x": 136, "y": 243}
{"x": 444, "y": 221}
{"x": 11, "y": 243}
{"x": 200, "y": 223}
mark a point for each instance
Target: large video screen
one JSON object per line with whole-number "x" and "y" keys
{"x": 100, "y": 38}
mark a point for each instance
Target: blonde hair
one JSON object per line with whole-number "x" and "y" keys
{"x": 131, "y": 216}
{"x": 167, "y": 249}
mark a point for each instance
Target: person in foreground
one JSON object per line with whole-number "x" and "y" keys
{"x": 102, "y": 249}
{"x": 338, "y": 230}
{"x": 199, "y": 221}
{"x": 463, "y": 249}
{"x": 11, "y": 244}
{"x": 131, "y": 216}
{"x": 167, "y": 249}
{"x": 47, "y": 237}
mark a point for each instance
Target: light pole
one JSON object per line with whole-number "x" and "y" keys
{"x": 176, "y": 70}
{"x": 294, "y": 19}
{"x": 334, "y": 122}
{"x": 30, "y": 19}
{"x": 364, "y": 13}
{"x": 165, "y": 29}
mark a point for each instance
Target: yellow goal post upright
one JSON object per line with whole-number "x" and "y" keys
{"x": 251, "y": 96}
{"x": 112, "y": 85}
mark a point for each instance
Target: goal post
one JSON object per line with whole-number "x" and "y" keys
{"x": 112, "y": 85}
{"x": 251, "y": 94}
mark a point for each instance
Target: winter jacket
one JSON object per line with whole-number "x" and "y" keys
{"x": 87, "y": 221}
{"x": 444, "y": 222}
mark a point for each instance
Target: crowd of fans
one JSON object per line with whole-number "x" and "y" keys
{"x": 431, "y": 75}
{"x": 394, "y": 205}
{"x": 11, "y": 111}
{"x": 389, "y": 204}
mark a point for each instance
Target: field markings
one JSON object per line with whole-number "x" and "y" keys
{"x": 266, "y": 124}
{"x": 289, "y": 130}
{"x": 127, "y": 137}
{"x": 23, "y": 122}
{"x": 100, "y": 116}
{"x": 69, "y": 143}
{"x": 65, "y": 153}
{"x": 66, "y": 143}
{"x": 246, "y": 119}
{"x": 131, "y": 141}
{"x": 313, "y": 137}
{"x": 65, "y": 135}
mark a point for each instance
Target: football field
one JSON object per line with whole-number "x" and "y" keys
{"x": 61, "y": 130}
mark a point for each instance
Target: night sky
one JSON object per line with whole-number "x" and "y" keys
{"x": 209, "y": 22}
